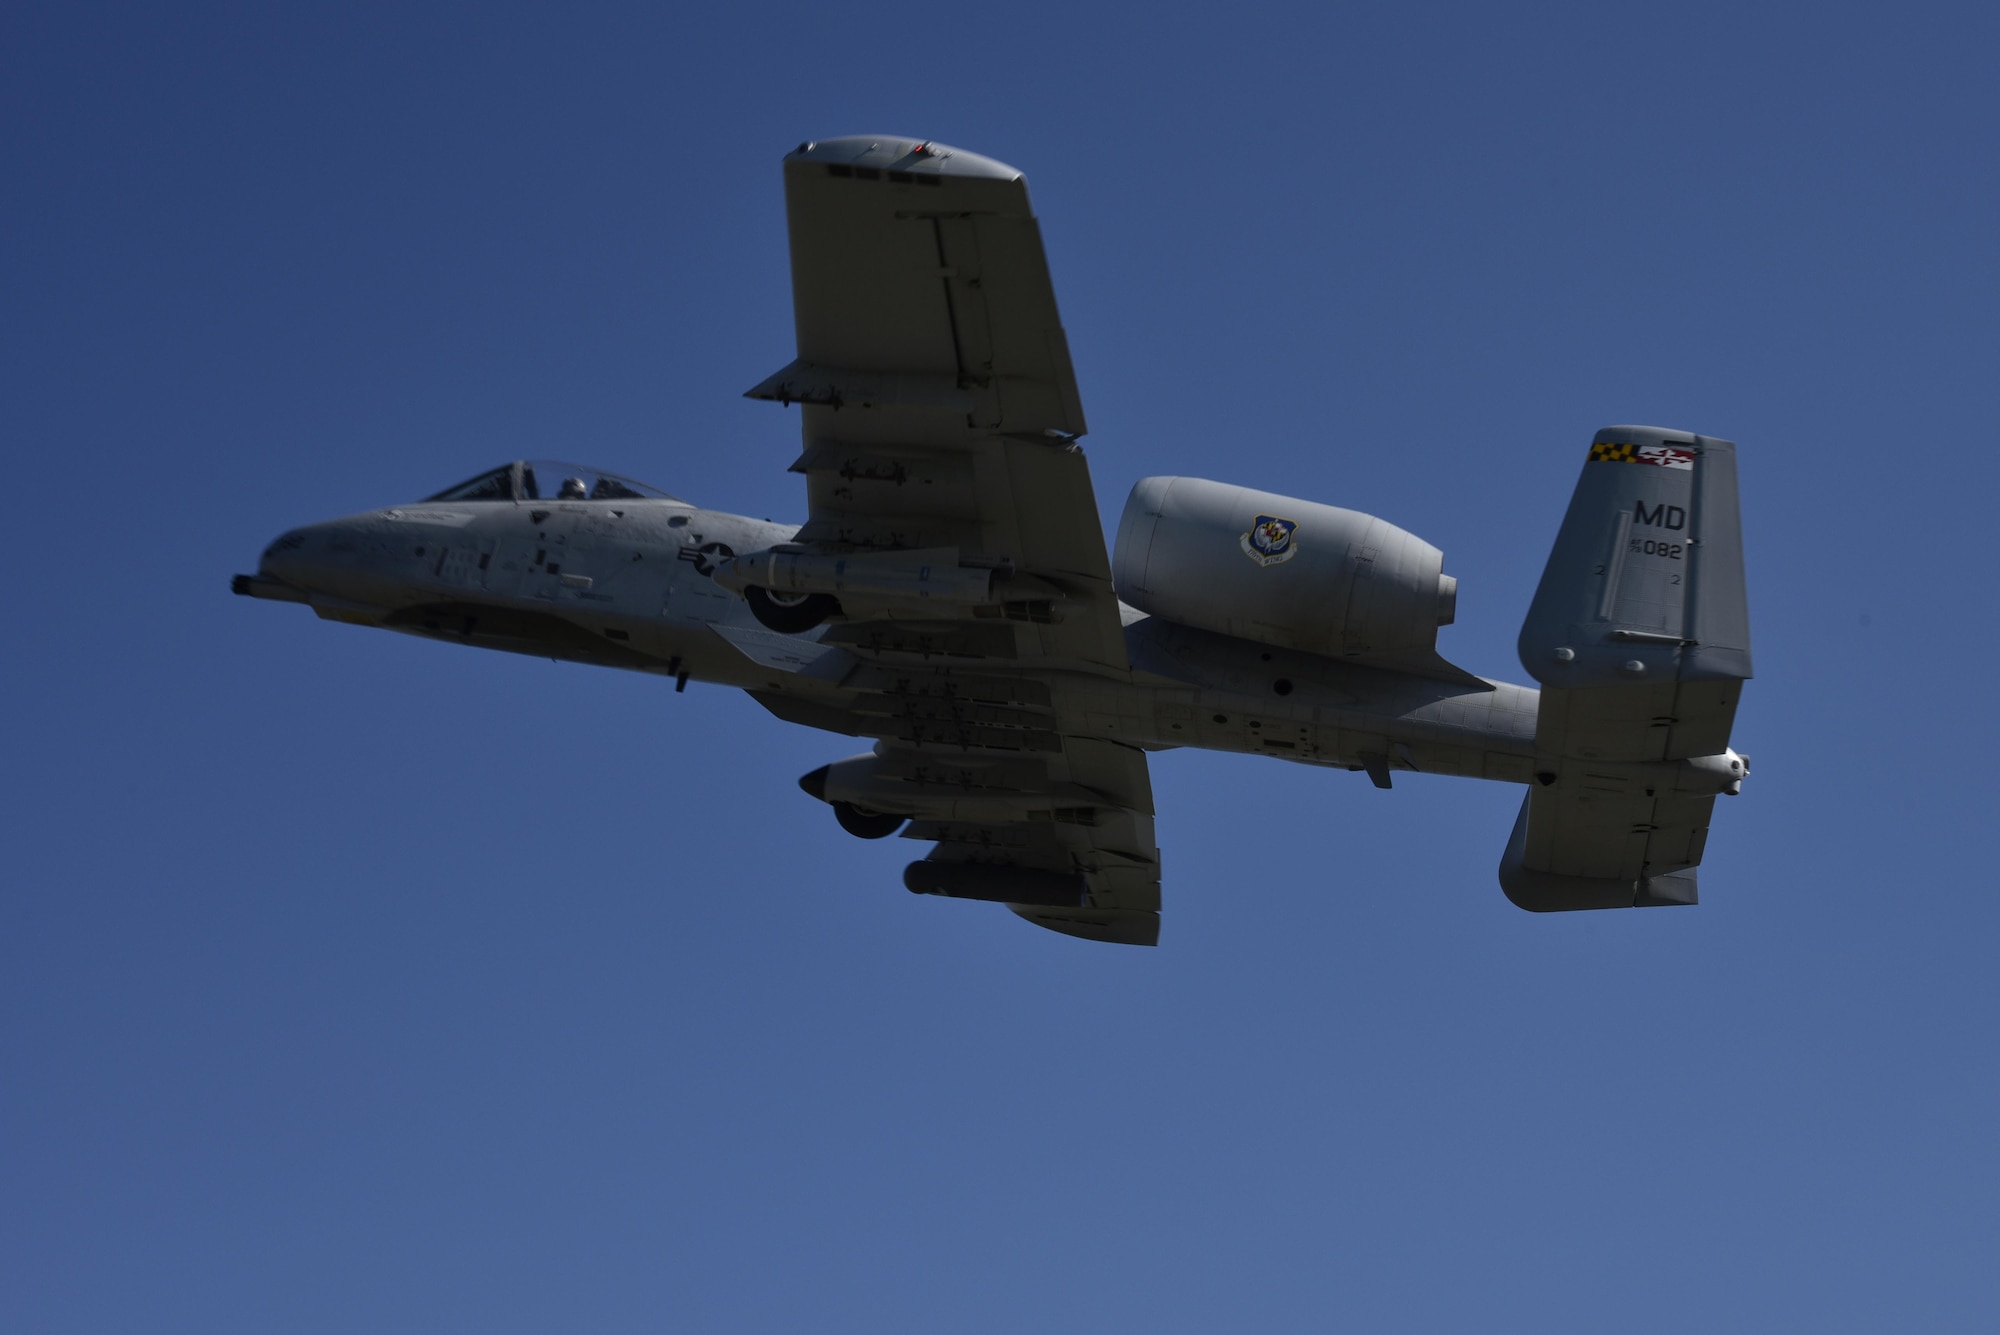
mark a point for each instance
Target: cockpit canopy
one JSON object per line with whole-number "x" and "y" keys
{"x": 550, "y": 480}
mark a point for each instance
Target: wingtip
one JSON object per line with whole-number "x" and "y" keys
{"x": 900, "y": 153}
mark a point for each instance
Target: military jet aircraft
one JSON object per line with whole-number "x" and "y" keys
{"x": 950, "y": 595}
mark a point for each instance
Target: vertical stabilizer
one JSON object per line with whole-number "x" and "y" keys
{"x": 1641, "y": 612}
{"x": 1640, "y": 637}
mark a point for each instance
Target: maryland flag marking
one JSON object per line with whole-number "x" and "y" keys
{"x": 1660, "y": 456}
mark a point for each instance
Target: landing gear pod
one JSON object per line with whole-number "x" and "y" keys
{"x": 863, "y": 823}
{"x": 790, "y": 589}
{"x": 789, "y": 613}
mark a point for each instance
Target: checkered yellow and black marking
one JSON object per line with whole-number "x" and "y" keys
{"x": 1663, "y": 455}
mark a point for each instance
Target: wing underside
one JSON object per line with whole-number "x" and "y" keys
{"x": 940, "y": 416}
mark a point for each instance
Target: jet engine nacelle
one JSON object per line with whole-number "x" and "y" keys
{"x": 1279, "y": 571}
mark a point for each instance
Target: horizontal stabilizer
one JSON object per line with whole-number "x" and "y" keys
{"x": 1599, "y": 850}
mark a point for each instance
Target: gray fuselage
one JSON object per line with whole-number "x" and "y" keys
{"x": 626, "y": 583}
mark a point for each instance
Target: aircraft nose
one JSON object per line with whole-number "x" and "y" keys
{"x": 283, "y": 556}
{"x": 325, "y": 558}
{"x": 284, "y": 571}
{"x": 343, "y": 561}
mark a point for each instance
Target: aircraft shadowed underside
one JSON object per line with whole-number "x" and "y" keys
{"x": 950, "y": 595}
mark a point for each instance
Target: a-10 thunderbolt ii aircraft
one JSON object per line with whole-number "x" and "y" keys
{"x": 951, "y": 597}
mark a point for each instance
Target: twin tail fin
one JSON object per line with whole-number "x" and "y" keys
{"x": 1639, "y": 634}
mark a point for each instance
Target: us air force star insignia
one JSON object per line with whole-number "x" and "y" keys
{"x": 1269, "y": 541}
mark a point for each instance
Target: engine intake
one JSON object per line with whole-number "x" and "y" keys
{"x": 1279, "y": 571}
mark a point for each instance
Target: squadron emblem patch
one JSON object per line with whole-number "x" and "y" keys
{"x": 1269, "y": 541}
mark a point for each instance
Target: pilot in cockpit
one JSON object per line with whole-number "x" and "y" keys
{"x": 573, "y": 490}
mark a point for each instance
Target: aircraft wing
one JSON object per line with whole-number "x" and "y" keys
{"x": 940, "y": 417}
{"x": 1078, "y": 858}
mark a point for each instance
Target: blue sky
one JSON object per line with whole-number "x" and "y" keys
{"x": 354, "y": 982}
